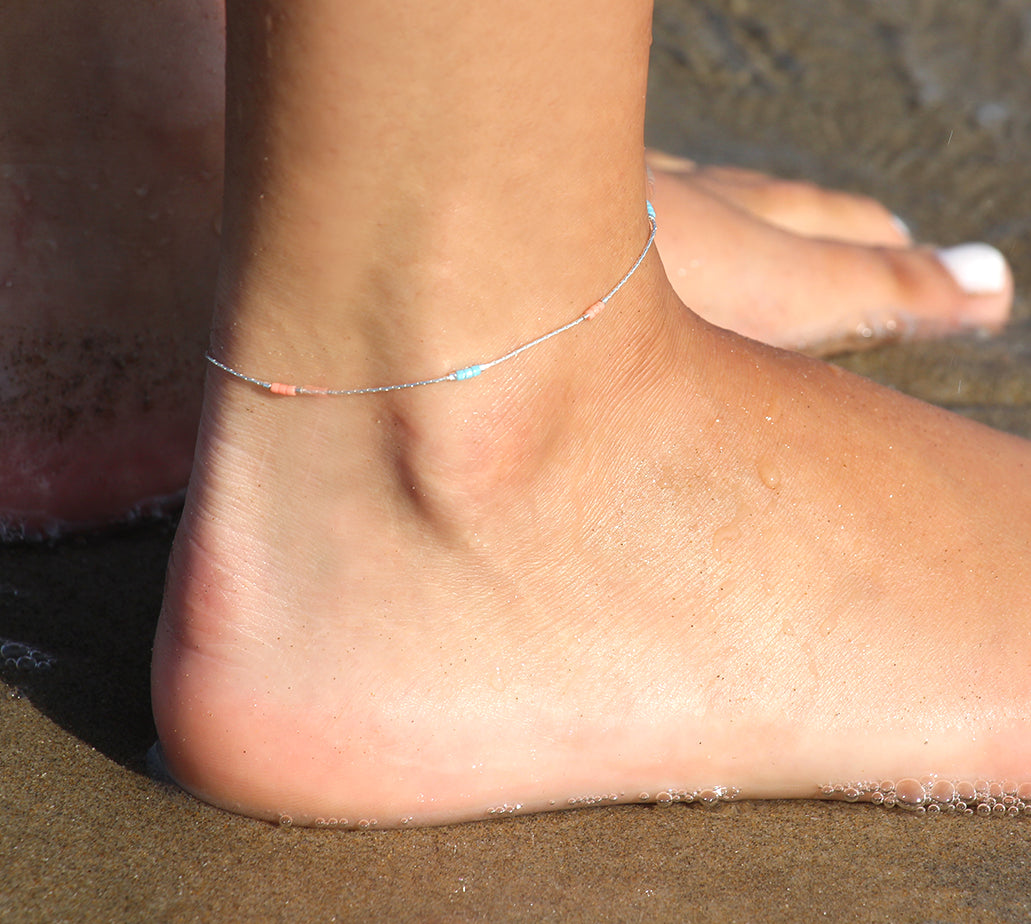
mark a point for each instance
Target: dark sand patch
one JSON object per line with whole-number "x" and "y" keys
{"x": 923, "y": 103}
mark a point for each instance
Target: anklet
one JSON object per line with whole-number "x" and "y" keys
{"x": 458, "y": 375}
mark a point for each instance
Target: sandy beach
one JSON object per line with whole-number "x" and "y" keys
{"x": 924, "y": 104}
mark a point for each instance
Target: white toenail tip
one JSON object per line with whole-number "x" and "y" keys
{"x": 979, "y": 269}
{"x": 902, "y": 227}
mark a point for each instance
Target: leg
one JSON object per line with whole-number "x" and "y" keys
{"x": 109, "y": 198}
{"x": 649, "y": 558}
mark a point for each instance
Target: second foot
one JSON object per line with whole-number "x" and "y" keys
{"x": 98, "y": 431}
{"x": 678, "y": 564}
{"x": 110, "y": 192}
{"x": 825, "y": 271}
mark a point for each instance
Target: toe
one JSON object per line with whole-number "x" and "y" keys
{"x": 806, "y": 209}
{"x": 800, "y": 207}
{"x": 884, "y": 294}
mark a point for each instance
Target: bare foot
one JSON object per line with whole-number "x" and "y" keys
{"x": 647, "y": 559}
{"x": 826, "y": 271}
{"x": 674, "y": 564}
{"x": 110, "y": 193}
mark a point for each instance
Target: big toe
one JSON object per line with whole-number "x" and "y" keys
{"x": 824, "y": 297}
{"x": 934, "y": 291}
{"x": 886, "y": 294}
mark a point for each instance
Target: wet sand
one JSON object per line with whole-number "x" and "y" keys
{"x": 923, "y": 103}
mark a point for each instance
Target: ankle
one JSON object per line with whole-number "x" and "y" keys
{"x": 453, "y": 447}
{"x": 419, "y": 290}
{"x": 445, "y": 324}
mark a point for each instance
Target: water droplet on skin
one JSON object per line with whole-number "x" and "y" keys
{"x": 981, "y": 786}
{"x": 285, "y": 821}
{"x": 723, "y": 537}
{"x": 769, "y": 474}
{"x": 943, "y": 791}
{"x": 995, "y": 790}
{"x": 851, "y": 794}
{"x": 984, "y": 809}
{"x": 877, "y": 798}
{"x": 663, "y": 798}
{"x": 643, "y": 797}
{"x": 709, "y": 797}
{"x": 1024, "y": 792}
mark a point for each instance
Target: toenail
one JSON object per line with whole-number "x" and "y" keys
{"x": 902, "y": 227}
{"x": 979, "y": 269}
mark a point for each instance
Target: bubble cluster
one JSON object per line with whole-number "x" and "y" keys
{"x": 506, "y": 809}
{"x": 709, "y": 797}
{"x": 933, "y": 796}
{"x": 335, "y": 822}
{"x": 19, "y": 656}
{"x": 587, "y": 801}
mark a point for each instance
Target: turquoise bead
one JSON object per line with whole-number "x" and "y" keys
{"x": 469, "y": 372}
